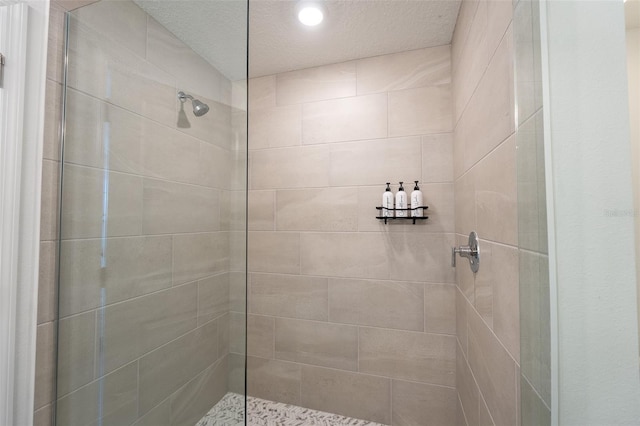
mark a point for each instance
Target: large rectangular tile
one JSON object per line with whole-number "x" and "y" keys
{"x": 388, "y": 304}
{"x": 165, "y": 370}
{"x": 100, "y": 203}
{"x": 260, "y": 336}
{"x": 196, "y": 256}
{"x": 420, "y": 404}
{"x": 262, "y": 92}
{"x": 220, "y": 168}
{"x": 350, "y": 394}
{"x": 55, "y": 46}
{"x": 274, "y": 252}
{"x": 347, "y": 119}
{"x": 440, "y": 308}
{"x": 193, "y": 73}
{"x": 374, "y": 162}
{"x": 405, "y": 70}
{"x": 44, "y": 385}
{"x": 121, "y": 267}
{"x": 52, "y": 118}
{"x": 496, "y": 195}
{"x": 112, "y": 400}
{"x": 49, "y": 199}
{"x": 318, "y": 83}
{"x": 494, "y": 370}
{"x": 412, "y": 257}
{"x": 323, "y": 209}
{"x": 261, "y": 214}
{"x": 357, "y": 255}
{"x": 76, "y": 352}
{"x": 216, "y": 127}
{"x": 171, "y": 208}
{"x": 437, "y": 158}
{"x": 44, "y": 416}
{"x": 160, "y": 415}
{"x": 213, "y": 297}
{"x": 47, "y": 282}
{"x": 294, "y": 296}
{"x": 195, "y": 399}
{"x": 420, "y": 111}
{"x": 317, "y": 343}
{"x": 467, "y": 389}
{"x": 120, "y": 22}
{"x": 294, "y": 167}
{"x": 131, "y": 329}
{"x": 419, "y": 357}
{"x": 104, "y": 69}
{"x": 274, "y": 380}
{"x": 275, "y": 127}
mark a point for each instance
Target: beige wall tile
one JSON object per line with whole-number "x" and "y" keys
{"x": 195, "y": 399}
{"x": 164, "y": 370}
{"x": 275, "y": 127}
{"x": 463, "y": 25}
{"x": 357, "y": 255}
{"x": 440, "y": 308}
{"x": 499, "y": 15}
{"x": 295, "y": 167}
{"x": 217, "y": 168}
{"x": 294, "y": 296}
{"x": 470, "y": 56}
{"x": 238, "y": 282}
{"x": 437, "y": 158}
{"x": 215, "y": 127}
{"x": 213, "y": 297}
{"x": 132, "y": 267}
{"x": 419, "y": 111}
{"x": 138, "y": 326}
{"x": 274, "y": 252}
{"x": 47, "y": 282}
{"x": 115, "y": 398}
{"x": 224, "y": 334}
{"x": 420, "y": 404}
{"x": 237, "y": 374}
{"x": 415, "y": 68}
{"x": 49, "y": 200}
{"x": 262, "y": 208}
{"x": 160, "y": 415}
{"x": 467, "y": 389}
{"x": 318, "y": 343}
{"x": 76, "y": 349}
{"x": 44, "y": 416}
{"x": 375, "y": 162}
{"x": 44, "y": 387}
{"x": 465, "y": 202}
{"x": 314, "y": 84}
{"x": 260, "y": 336}
{"x": 196, "y": 256}
{"x": 388, "y": 304}
{"x": 350, "y": 394}
{"x": 193, "y": 74}
{"x": 461, "y": 320}
{"x": 419, "y": 357}
{"x": 534, "y": 411}
{"x": 237, "y": 332}
{"x": 171, "y": 208}
{"x": 52, "y": 120}
{"x": 274, "y": 380}
{"x": 489, "y": 115}
{"x": 55, "y": 47}
{"x": 325, "y": 209}
{"x": 415, "y": 258}
{"x": 347, "y": 119}
{"x": 496, "y": 195}
{"x": 121, "y": 22}
{"x": 494, "y": 370}
{"x": 484, "y": 416}
{"x": 85, "y": 203}
{"x": 262, "y": 92}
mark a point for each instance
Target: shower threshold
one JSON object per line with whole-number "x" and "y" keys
{"x": 260, "y": 412}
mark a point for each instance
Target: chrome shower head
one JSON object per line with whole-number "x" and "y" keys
{"x": 199, "y": 108}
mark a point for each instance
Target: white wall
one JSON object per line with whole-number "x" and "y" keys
{"x": 596, "y": 292}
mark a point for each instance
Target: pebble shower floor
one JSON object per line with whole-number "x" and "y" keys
{"x": 229, "y": 412}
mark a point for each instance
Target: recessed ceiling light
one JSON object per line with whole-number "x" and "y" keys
{"x": 310, "y": 14}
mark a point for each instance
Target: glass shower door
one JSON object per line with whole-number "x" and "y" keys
{"x": 152, "y": 274}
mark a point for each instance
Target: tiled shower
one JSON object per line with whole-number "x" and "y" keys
{"x": 248, "y": 235}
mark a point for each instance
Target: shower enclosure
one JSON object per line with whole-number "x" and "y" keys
{"x": 152, "y": 275}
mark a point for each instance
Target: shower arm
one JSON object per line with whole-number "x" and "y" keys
{"x": 183, "y": 97}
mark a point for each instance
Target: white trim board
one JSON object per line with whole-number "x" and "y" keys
{"x": 23, "y": 40}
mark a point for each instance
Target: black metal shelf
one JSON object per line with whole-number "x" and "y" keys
{"x": 408, "y": 210}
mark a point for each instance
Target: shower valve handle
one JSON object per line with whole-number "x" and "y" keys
{"x": 471, "y": 252}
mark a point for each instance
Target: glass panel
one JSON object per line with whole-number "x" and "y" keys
{"x": 535, "y": 351}
{"x": 152, "y": 279}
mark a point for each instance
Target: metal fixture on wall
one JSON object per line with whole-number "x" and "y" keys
{"x": 471, "y": 252}
{"x": 199, "y": 108}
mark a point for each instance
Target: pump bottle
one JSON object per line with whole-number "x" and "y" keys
{"x": 387, "y": 202}
{"x": 401, "y": 202}
{"x": 416, "y": 201}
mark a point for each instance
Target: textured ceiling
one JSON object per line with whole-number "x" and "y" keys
{"x": 278, "y": 42}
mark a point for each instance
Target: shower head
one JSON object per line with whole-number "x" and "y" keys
{"x": 199, "y": 108}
